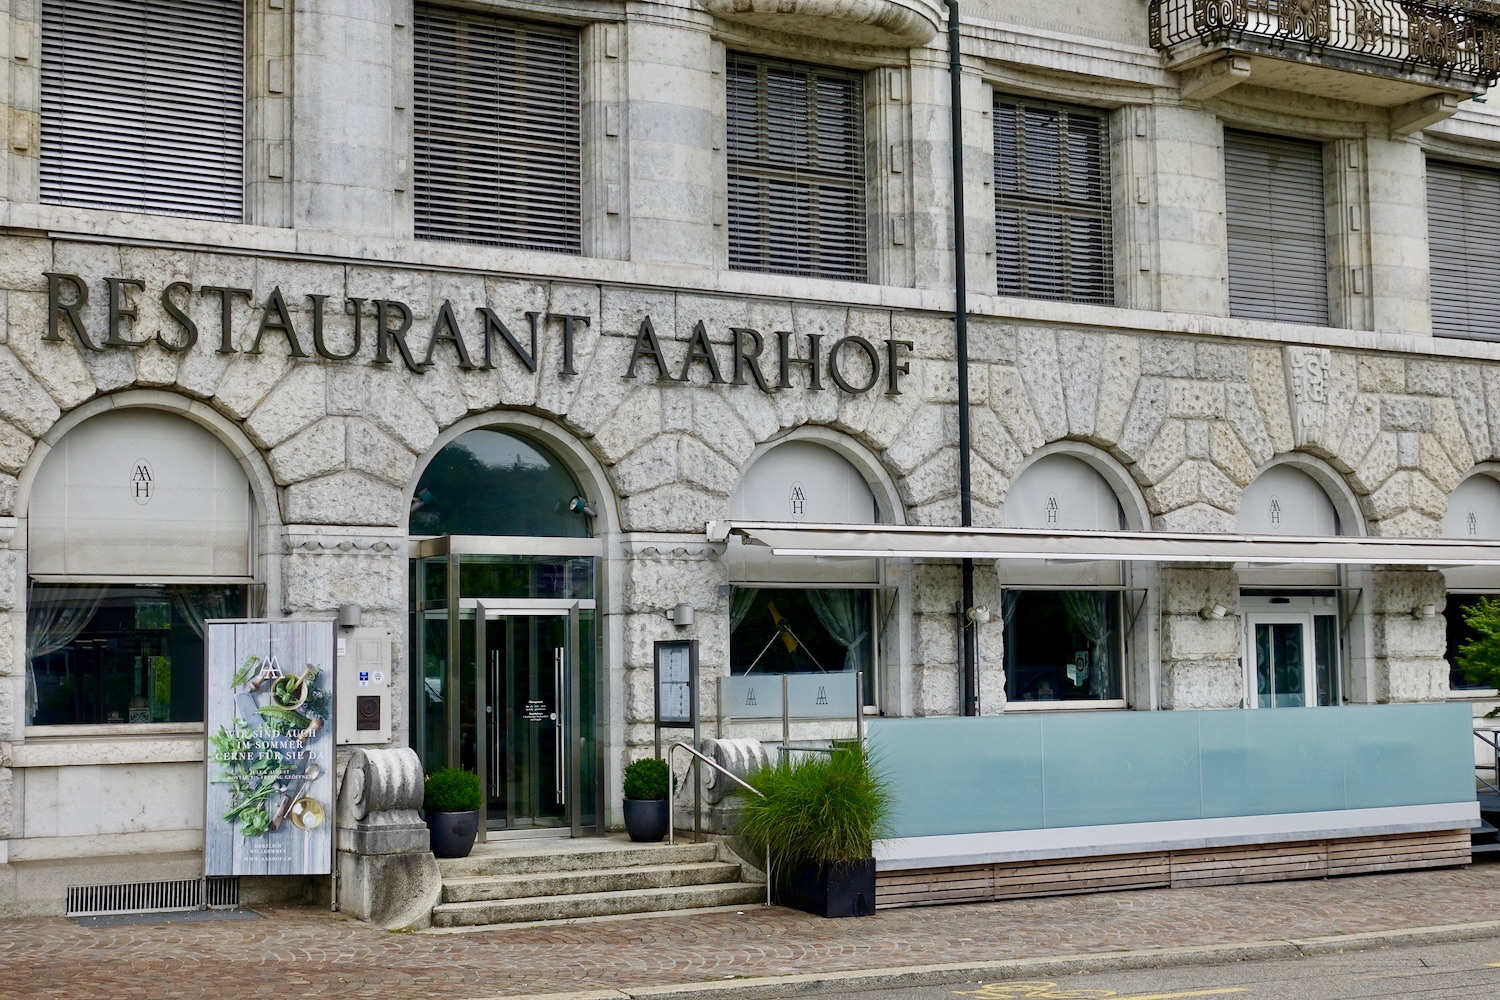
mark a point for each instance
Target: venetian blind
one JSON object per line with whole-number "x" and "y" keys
{"x": 498, "y": 155}
{"x": 796, "y": 169}
{"x": 1278, "y": 246}
{"x": 1463, "y": 233}
{"x": 1052, "y": 202}
{"x": 143, "y": 106}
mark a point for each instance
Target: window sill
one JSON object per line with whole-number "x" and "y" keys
{"x": 110, "y": 731}
{"x": 1065, "y": 706}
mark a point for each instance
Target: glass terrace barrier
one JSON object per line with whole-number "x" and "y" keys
{"x": 1445, "y": 36}
{"x": 1047, "y": 771}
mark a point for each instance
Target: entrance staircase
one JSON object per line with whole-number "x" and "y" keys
{"x": 522, "y": 881}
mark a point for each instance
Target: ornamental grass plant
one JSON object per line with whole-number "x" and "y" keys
{"x": 818, "y": 809}
{"x": 451, "y": 789}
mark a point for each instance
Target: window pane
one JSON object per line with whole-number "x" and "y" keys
{"x": 795, "y": 137}
{"x": 1460, "y": 633}
{"x": 143, "y": 106}
{"x": 1326, "y": 643}
{"x": 783, "y": 631}
{"x": 497, "y": 134}
{"x": 121, "y": 653}
{"x": 1052, "y": 202}
{"x": 1062, "y": 645}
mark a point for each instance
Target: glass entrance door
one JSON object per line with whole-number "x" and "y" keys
{"x": 1280, "y": 667}
{"x": 505, "y": 651}
{"x": 1291, "y": 660}
{"x": 528, "y": 716}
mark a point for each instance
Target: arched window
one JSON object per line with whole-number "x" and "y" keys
{"x": 1062, "y": 621}
{"x": 140, "y": 527}
{"x": 492, "y": 482}
{"x": 792, "y": 615}
{"x": 1473, "y": 513}
{"x": 1284, "y": 500}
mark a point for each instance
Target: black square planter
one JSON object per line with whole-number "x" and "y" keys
{"x": 829, "y": 889}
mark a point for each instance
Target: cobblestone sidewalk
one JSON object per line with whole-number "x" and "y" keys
{"x": 299, "y": 952}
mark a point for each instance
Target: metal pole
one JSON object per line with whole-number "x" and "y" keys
{"x": 969, "y": 672}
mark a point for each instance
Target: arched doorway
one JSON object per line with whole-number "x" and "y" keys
{"x": 504, "y": 631}
{"x": 1292, "y": 636}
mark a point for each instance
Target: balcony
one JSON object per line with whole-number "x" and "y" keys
{"x": 1418, "y": 56}
{"x": 897, "y": 23}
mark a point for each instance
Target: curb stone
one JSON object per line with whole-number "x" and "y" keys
{"x": 766, "y": 988}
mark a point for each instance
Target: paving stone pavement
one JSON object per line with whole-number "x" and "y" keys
{"x": 303, "y": 951}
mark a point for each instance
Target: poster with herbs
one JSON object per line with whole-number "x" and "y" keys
{"x": 270, "y": 748}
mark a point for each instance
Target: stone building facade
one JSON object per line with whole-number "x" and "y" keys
{"x": 335, "y": 353}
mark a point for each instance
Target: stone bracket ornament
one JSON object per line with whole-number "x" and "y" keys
{"x": 899, "y": 23}
{"x": 1307, "y": 373}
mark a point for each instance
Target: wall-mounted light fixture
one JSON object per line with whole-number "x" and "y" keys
{"x": 350, "y": 615}
{"x": 1424, "y": 611}
{"x": 978, "y": 614}
{"x": 681, "y": 616}
{"x": 1213, "y": 612}
{"x": 580, "y": 505}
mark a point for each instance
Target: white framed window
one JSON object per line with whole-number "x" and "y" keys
{"x": 143, "y": 106}
{"x": 794, "y": 615}
{"x": 796, "y": 161}
{"x": 141, "y": 527}
{"x": 1063, "y": 623}
{"x": 498, "y": 152}
{"x": 1053, "y": 213}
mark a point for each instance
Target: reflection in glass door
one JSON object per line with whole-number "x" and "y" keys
{"x": 1280, "y": 674}
{"x": 525, "y": 715}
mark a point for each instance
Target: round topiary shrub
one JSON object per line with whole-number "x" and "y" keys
{"x": 451, "y": 789}
{"x": 647, "y": 778}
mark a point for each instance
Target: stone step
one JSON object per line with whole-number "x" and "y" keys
{"x": 467, "y": 890}
{"x": 609, "y": 854}
{"x": 595, "y": 904}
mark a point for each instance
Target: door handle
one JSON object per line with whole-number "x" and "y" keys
{"x": 559, "y": 732}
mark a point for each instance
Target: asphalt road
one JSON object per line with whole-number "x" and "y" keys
{"x": 1466, "y": 970}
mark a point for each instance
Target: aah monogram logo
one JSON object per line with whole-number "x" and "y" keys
{"x": 142, "y": 482}
{"x": 799, "y": 502}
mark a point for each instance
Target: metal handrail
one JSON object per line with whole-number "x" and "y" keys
{"x": 697, "y": 817}
{"x": 1492, "y": 738}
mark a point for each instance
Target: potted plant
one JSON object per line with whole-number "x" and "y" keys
{"x": 814, "y": 823}
{"x": 647, "y": 811}
{"x": 451, "y": 805}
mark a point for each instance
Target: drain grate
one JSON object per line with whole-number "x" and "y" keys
{"x": 153, "y": 897}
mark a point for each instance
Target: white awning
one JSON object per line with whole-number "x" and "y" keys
{"x": 921, "y": 542}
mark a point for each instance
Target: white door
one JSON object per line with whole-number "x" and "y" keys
{"x": 1291, "y": 658}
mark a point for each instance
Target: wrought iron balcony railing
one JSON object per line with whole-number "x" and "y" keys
{"x": 1444, "y": 38}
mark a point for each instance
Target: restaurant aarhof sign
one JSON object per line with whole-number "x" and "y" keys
{"x": 852, "y": 363}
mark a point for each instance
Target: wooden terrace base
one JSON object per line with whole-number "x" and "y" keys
{"x": 1172, "y": 869}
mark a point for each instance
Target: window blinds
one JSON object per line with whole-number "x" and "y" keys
{"x": 1052, "y": 202}
{"x": 143, "y": 106}
{"x": 796, "y": 169}
{"x": 1463, "y": 234}
{"x": 1278, "y": 256}
{"x": 498, "y": 155}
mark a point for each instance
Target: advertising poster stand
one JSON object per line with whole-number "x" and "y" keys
{"x": 269, "y": 731}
